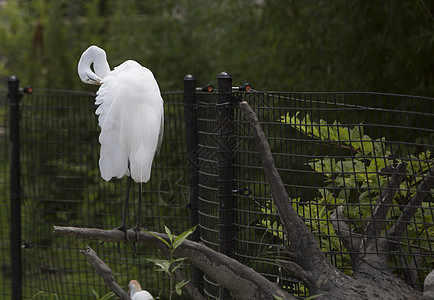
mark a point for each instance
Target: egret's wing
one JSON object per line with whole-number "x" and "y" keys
{"x": 113, "y": 161}
{"x": 146, "y": 132}
{"x": 130, "y": 115}
{"x": 160, "y": 136}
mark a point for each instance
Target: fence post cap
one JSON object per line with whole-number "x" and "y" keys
{"x": 224, "y": 75}
{"x": 189, "y": 77}
{"x": 12, "y": 78}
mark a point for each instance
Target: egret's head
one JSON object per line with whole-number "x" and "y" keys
{"x": 134, "y": 287}
{"x": 96, "y": 57}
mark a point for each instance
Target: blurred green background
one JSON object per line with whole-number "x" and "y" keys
{"x": 290, "y": 45}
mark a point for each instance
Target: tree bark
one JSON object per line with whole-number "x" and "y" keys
{"x": 310, "y": 262}
{"x": 350, "y": 240}
{"x": 309, "y": 255}
{"x": 423, "y": 189}
{"x": 105, "y": 272}
{"x": 242, "y": 281}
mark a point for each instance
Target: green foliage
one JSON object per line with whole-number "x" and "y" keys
{"x": 109, "y": 295}
{"x": 355, "y": 183}
{"x": 45, "y": 295}
{"x": 170, "y": 265}
{"x": 360, "y": 171}
{"x": 352, "y": 45}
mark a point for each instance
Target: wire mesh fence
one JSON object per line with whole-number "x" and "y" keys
{"x": 331, "y": 149}
{"x": 61, "y": 185}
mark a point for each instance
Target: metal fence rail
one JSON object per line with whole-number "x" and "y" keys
{"x": 331, "y": 149}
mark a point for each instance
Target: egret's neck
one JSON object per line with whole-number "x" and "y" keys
{"x": 93, "y": 56}
{"x": 101, "y": 66}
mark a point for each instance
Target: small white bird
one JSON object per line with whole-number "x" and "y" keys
{"x": 131, "y": 117}
{"x": 136, "y": 292}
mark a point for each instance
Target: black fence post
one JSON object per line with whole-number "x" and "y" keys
{"x": 14, "y": 96}
{"x": 190, "y": 114}
{"x": 225, "y": 137}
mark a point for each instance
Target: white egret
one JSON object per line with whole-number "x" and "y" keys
{"x": 136, "y": 292}
{"x": 131, "y": 116}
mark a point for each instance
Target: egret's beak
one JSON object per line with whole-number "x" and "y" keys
{"x": 92, "y": 78}
{"x": 88, "y": 76}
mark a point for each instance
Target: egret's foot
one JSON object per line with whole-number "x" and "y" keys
{"x": 123, "y": 228}
{"x": 137, "y": 229}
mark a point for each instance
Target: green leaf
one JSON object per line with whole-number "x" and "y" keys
{"x": 169, "y": 233}
{"x": 181, "y": 238}
{"x": 356, "y": 136}
{"x": 37, "y": 294}
{"x": 323, "y": 129}
{"x": 95, "y": 293}
{"x": 181, "y": 259}
{"x": 46, "y": 295}
{"x": 367, "y": 144}
{"x": 109, "y": 295}
{"x": 158, "y": 237}
{"x": 379, "y": 147}
{"x": 344, "y": 134}
{"x": 333, "y": 131}
{"x": 164, "y": 264}
{"x": 290, "y": 120}
{"x": 178, "y": 263}
{"x": 180, "y": 285}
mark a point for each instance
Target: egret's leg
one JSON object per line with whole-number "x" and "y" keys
{"x": 123, "y": 227}
{"x": 138, "y": 223}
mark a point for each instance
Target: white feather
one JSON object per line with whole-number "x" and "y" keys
{"x": 131, "y": 117}
{"x": 136, "y": 292}
{"x": 142, "y": 295}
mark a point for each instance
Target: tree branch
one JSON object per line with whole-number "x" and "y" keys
{"x": 294, "y": 269}
{"x": 302, "y": 242}
{"x": 105, "y": 272}
{"x": 407, "y": 214}
{"x": 377, "y": 221}
{"x": 242, "y": 281}
{"x": 348, "y": 239}
{"x": 321, "y": 276}
{"x": 410, "y": 269}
